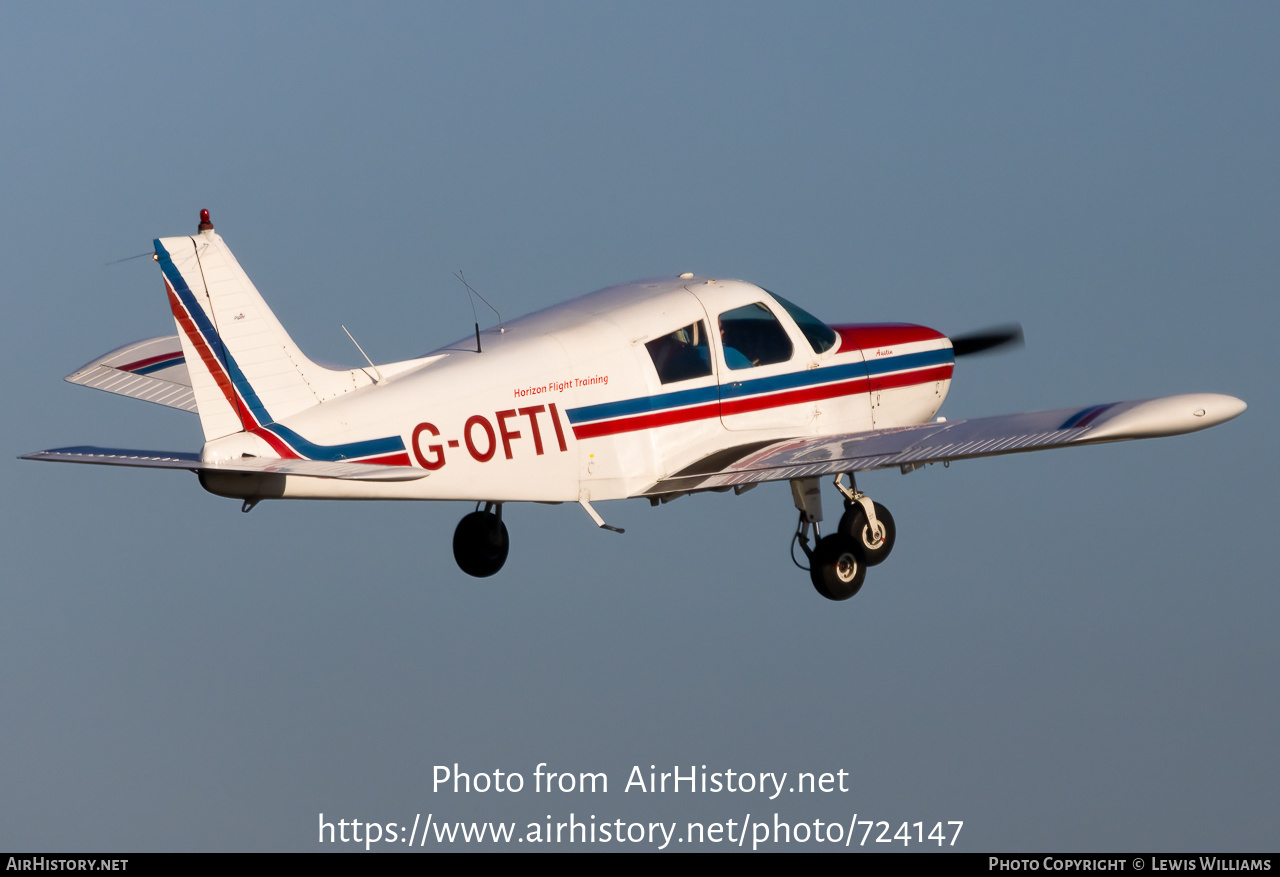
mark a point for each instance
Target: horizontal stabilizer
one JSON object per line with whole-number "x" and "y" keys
{"x": 259, "y": 465}
{"x": 911, "y": 446}
{"x": 153, "y": 370}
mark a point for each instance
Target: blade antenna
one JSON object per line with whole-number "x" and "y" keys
{"x": 377, "y": 375}
{"x": 458, "y": 274}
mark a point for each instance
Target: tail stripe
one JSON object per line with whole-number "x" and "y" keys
{"x": 152, "y": 363}
{"x": 203, "y": 327}
{"x": 239, "y": 393}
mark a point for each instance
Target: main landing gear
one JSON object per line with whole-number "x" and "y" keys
{"x": 865, "y": 537}
{"x": 480, "y": 543}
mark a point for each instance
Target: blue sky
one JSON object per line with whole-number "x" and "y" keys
{"x": 1072, "y": 650}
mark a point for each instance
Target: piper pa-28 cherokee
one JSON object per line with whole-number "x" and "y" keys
{"x": 654, "y": 389}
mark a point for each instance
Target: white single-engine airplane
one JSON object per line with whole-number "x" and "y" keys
{"x": 653, "y": 389}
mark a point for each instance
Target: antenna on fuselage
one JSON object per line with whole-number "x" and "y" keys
{"x": 377, "y": 375}
{"x": 458, "y": 274}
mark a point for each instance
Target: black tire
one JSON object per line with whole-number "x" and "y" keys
{"x": 854, "y": 525}
{"x": 836, "y": 567}
{"x": 480, "y": 544}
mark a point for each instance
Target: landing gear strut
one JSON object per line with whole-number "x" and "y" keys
{"x": 838, "y": 562}
{"x": 480, "y": 543}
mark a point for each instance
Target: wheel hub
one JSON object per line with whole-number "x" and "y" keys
{"x": 847, "y": 567}
{"x": 872, "y": 538}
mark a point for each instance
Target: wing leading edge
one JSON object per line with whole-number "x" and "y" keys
{"x": 911, "y": 446}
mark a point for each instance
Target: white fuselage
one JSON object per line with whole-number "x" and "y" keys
{"x": 567, "y": 403}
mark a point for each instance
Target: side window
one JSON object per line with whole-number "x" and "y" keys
{"x": 682, "y": 355}
{"x": 753, "y": 336}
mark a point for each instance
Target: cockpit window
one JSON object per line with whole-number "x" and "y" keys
{"x": 753, "y": 336}
{"x": 820, "y": 336}
{"x": 682, "y": 355}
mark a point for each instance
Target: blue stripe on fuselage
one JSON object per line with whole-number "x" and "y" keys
{"x": 643, "y": 405}
{"x": 732, "y": 389}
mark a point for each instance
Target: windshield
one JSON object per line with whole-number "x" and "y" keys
{"x": 820, "y": 336}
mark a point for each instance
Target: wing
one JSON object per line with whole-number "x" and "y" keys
{"x": 909, "y": 447}
{"x": 261, "y": 465}
{"x": 153, "y": 370}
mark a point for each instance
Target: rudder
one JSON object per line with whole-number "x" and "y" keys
{"x": 246, "y": 372}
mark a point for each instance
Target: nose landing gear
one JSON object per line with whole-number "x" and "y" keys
{"x": 480, "y": 542}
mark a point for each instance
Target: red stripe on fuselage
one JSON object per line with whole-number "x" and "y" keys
{"x": 852, "y": 387}
{"x": 793, "y": 397}
{"x": 841, "y": 388}
{"x": 911, "y": 379}
{"x": 277, "y": 443}
{"x": 646, "y": 421}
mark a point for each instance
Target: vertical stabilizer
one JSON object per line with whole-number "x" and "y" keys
{"x": 246, "y": 372}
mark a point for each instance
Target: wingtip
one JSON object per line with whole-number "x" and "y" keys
{"x": 1170, "y": 415}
